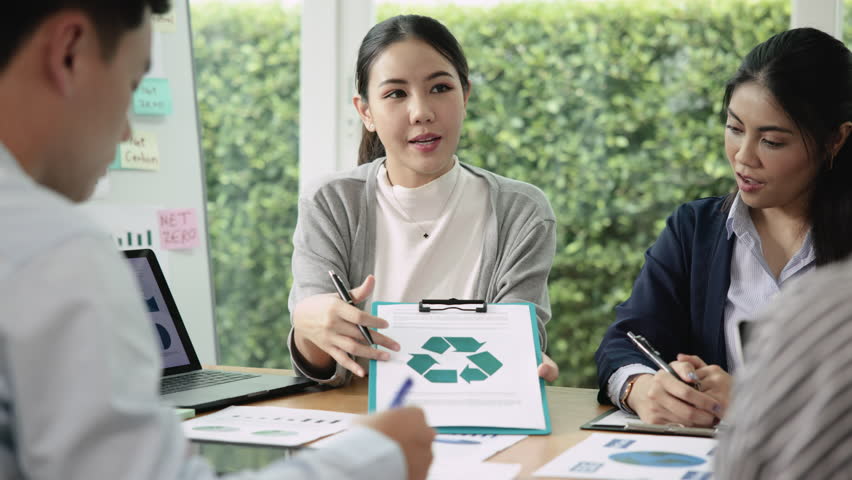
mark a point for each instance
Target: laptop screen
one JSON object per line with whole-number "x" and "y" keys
{"x": 174, "y": 354}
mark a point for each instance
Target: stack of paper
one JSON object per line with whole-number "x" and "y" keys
{"x": 462, "y": 456}
{"x": 467, "y": 471}
{"x": 471, "y": 448}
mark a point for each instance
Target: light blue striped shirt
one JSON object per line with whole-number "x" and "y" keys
{"x": 80, "y": 368}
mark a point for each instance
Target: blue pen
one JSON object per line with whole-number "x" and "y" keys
{"x": 457, "y": 441}
{"x": 399, "y": 398}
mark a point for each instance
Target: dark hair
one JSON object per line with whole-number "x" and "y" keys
{"x": 385, "y": 34}
{"x": 111, "y": 18}
{"x": 809, "y": 73}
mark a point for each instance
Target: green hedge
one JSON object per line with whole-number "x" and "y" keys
{"x": 612, "y": 108}
{"x": 247, "y": 65}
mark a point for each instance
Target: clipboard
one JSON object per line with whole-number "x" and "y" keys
{"x": 475, "y": 306}
{"x": 598, "y": 423}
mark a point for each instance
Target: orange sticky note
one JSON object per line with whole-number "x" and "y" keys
{"x": 179, "y": 228}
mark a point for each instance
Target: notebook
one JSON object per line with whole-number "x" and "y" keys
{"x": 185, "y": 383}
{"x": 615, "y": 420}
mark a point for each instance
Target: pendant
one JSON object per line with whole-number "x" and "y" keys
{"x": 425, "y": 235}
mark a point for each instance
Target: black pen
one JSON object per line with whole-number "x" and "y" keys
{"x": 654, "y": 356}
{"x": 344, "y": 295}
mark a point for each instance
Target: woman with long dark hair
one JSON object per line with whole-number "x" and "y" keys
{"x": 411, "y": 221}
{"x": 788, "y": 114}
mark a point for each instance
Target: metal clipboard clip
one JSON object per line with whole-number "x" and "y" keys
{"x": 425, "y": 305}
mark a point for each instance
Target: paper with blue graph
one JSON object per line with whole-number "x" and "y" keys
{"x": 473, "y": 372}
{"x": 632, "y": 457}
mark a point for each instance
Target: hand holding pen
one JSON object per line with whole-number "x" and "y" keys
{"x": 667, "y": 397}
{"x": 343, "y": 293}
{"x": 653, "y": 355}
{"x": 407, "y": 427}
{"x": 399, "y": 401}
{"x": 329, "y": 330}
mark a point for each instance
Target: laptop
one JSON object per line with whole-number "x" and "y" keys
{"x": 185, "y": 383}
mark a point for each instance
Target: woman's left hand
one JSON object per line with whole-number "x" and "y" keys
{"x": 548, "y": 370}
{"x": 714, "y": 381}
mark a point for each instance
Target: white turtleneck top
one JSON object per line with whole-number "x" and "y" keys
{"x": 452, "y": 210}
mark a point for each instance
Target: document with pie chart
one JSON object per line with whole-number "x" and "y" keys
{"x": 619, "y": 455}
{"x": 472, "y": 372}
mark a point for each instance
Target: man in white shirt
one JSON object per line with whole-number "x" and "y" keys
{"x": 79, "y": 366}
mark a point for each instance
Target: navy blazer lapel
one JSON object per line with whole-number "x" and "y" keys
{"x": 718, "y": 283}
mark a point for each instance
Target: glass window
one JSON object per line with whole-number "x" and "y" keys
{"x": 847, "y": 22}
{"x": 247, "y": 67}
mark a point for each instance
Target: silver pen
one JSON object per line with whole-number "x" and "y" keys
{"x": 344, "y": 295}
{"x": 654, "y": 356}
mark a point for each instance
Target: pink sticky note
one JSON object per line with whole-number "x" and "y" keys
{"x": 179, "y": 228}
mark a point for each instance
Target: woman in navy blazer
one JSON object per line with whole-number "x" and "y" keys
{"x": 788, "y": 114}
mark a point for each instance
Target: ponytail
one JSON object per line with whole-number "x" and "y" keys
{"x": 371, "y": 147}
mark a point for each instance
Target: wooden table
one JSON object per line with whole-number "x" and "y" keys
{"x": 569, "y": 408}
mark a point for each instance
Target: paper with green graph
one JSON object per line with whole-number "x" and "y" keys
{"x": 473, "y": 372}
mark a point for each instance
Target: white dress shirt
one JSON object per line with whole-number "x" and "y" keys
{"x": 753, "y": 284}
{"x": 80, "y": 367}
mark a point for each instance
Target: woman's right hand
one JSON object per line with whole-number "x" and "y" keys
{"x": 663, "y": 399}
{"x": 326, "y": 331}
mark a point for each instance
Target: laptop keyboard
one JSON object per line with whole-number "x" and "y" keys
{"x": 199, "y": 379}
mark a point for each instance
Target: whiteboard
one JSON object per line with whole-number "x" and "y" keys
{"x": 179, "y": 182}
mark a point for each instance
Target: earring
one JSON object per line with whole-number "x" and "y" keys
{"x": 371, "y": 127}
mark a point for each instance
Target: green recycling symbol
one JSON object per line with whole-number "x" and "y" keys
{"x": 485, "y": 363}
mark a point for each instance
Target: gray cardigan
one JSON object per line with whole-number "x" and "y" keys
{"x": 336, "y": 230}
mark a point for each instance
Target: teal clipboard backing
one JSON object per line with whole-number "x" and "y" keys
{"x": 481, "y": 430}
